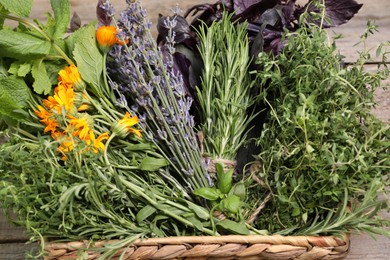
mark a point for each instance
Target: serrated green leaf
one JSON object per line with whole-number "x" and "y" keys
{"x": 19, "y": 7}
{"x": 20, "y": 69}
{"x": 88, "y": 57}
{"x": 153, "y": 164}
{"x": 144, "y": 213}
{"x": 22, "y": 46}
{"x": 234, "y": 227}
{"x": 77, "y": 35}
{"x": 61, "y": 9}
{"x": 16, "y": 88}
{"x": 42, "y": 84}
{"x": 208, "y": 193}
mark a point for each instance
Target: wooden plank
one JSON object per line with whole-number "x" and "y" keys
{"x": 16, "y": 251}
{"x": 10, "y": 233}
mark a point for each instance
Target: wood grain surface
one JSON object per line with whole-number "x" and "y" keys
{"x": 12, "y": 240}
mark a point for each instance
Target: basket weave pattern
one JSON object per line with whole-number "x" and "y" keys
{"x": 208, "y": 247}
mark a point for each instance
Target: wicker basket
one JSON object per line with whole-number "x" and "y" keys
{"x": 209, "y": 247}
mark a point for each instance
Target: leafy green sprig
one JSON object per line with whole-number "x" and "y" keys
{"x": 320, "y": 141}
{"x": 224, "y": 95}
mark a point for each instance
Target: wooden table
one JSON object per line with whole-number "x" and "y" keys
{"x": 12, "y": 240}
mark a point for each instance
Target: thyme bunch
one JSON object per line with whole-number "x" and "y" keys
{"x": 320, "y": 140}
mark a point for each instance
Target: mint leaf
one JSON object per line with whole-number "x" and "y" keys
{"x": 22, "y": 46}
{"x": 19, "y": 7}
{"x": 14, "y": 94}
{"x": 20, "y": 69}
{"x": 77, "y": 36}
{"x": 42, "y": 83}
{"x": 61, "y": 9}
{"x": 88, "y": 57}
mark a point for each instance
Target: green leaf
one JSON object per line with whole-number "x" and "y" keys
{"x": 239, "y": 190}
{"x": 14, "y": 94}
{"x": 208, "y": 193}
{"x": 77, "y": 36}
{"x": 201, "y": 212}
{"x": 61, "y": 9}
{"x": 16, "y": 88}
{"x": 19, "y": 7}
{"x": 88, "y": 57}
{"x": 153, "y": 164}
{"x": 22, "y": 46}
{"x": 224, "y": 178}
{"x": 42, "y": 84}
{"x": 144, "y": 213}
{"x": 196, "y": 222}
{"x": 234, "y": 227}
{"x": 231, "y": 204}
{"x": 20, "y": 69}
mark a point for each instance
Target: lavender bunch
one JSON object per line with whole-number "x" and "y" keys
{"x": 144, "y": 73}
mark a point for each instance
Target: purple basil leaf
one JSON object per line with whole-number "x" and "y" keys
{"x": 254, "y": 11}
{"x": 241, "y": 5}
{"x": 75, "y": 23}
{"x": 182, "y": 29}
{"x": 103, "y": 17}
{"x": 337, "y": 11}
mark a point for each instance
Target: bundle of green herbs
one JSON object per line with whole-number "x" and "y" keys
{"x": 123, "y": 130}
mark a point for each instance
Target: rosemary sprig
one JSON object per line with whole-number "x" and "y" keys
{"x": 224, "y": 96}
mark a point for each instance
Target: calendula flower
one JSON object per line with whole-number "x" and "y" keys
{"x": 63, "y": 98}
{"x": 70, "y": 77}
{"x": 125, "y": 125}
{"x": 81, "y": 126}
{"x": 106, "y": 37}
{"x": 97, "y": 143}
{"x": 67, "y": 145}
{"x": 47, "y": 118}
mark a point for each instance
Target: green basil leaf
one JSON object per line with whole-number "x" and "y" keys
{"x": 144, "y": 213}
{"x": 19, "y": 7}
{"x": 22, "y": 46}
{"x": 234, "y": 227}
{"x": 231, "y": 204}
{"x": 225, "y": 179}
{"x": 153, "y": 164}
{"x": 88, "y": 57}
{"x": 61, "y": 9}
{"x": 239, "y": 190}
{"x": 208, "y": 193}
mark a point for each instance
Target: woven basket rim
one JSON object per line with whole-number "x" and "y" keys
{"x": 266, "y": 246}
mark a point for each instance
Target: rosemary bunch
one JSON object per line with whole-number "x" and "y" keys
{"x": 224, "y": 95}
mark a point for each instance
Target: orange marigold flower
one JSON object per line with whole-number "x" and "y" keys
{"x": 42, "y": 113}
{"x": 70, "y": 77}
{"x": 106, "y": 37}
{"x": 81, "y": 126}
{"x": 124, "y": 126}
{"x": 98, "y": 142}
{"x": 63, "y": 98}
{"x": 46, "y": 118}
